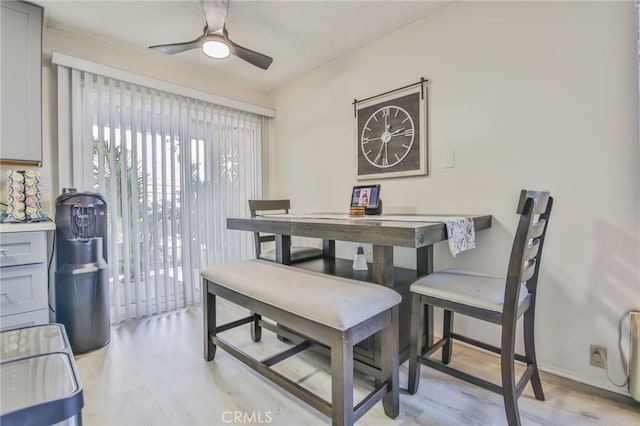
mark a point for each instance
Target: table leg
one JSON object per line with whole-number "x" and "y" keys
{"x": 283, "y": 256}
{"x": 329, "y": 249}
{"x": 382, "y": 275}
{"x": 283, "y": 249}
{"x": 383, "y": 265}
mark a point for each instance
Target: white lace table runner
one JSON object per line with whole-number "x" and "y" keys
{"x": 461, "y": 232}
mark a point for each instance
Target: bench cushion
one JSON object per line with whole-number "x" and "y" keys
{"x": 337, "y": 302}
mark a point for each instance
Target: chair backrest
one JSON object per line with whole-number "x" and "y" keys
{"x": 259, "y": 207}
{"x": 534, "y": 208}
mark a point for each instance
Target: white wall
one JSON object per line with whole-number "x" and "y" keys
{"x": 528, "y": 95}
{"x": 150, "y": 64}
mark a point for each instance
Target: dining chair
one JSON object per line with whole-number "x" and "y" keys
{"x": 501, "y": 301}
{"x": 298, "y": 253}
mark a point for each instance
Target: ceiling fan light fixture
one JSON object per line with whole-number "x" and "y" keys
{"x": 214, "y": 41}
{"x": 216, "y": 49}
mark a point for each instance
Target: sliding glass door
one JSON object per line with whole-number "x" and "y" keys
{"x": 172, "y": 170}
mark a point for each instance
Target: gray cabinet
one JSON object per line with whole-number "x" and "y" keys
{"x": 21, "y": 82}
{"x": 23, "y": 277}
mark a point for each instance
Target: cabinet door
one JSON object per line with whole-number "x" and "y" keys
{"x": 22, "y": 248}
{"x": 23, "y": 288}
{"x": 21, "y": 82}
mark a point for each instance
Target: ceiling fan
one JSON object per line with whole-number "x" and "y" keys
{"x": 214, "y": 40}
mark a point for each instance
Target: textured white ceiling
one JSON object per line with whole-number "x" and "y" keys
{"x": 298, "y": 35}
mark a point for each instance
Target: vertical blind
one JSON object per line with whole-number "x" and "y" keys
{"x": 172, "y": 170}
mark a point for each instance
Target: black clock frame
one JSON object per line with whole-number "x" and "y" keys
{"x": 413, "y": 100}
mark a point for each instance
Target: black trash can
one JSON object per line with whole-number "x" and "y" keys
{"x": 81, "y": 278}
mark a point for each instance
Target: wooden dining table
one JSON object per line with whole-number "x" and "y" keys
{"x": 382, "y": 232}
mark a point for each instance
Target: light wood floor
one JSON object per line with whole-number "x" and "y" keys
{"x": 153, "y": 373}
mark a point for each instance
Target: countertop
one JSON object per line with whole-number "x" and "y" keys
{"x": 27, "y": 227}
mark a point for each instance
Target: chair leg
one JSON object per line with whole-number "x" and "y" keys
{"x": 209, "y": 321}
{"x": 341, "y": 381}
{"x": 530, "y": 352}
{"x": 509, "y": 392}
{"x": 389, "y": 338}
{"x": 279, "y": 335}
{"x": 447, "y": 328}
{"x": 256, "y": 328}
{"x": 428, "y": 322}
{"x": 415, "y": 343}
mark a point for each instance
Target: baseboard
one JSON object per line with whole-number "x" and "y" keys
{"x": 565, "y": 378}
{"x": 569, "y": 380}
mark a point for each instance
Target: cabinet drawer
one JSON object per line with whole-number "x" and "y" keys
{"x": 10, "y": 322}
{"x": 22, "y": 248}
{"x": 23, "y": 289}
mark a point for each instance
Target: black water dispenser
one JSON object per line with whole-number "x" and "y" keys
{"x": 81, "y": 279}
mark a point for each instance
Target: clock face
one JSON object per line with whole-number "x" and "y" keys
{"x": 390, "y": 135}
{"x": 387, "y": 136}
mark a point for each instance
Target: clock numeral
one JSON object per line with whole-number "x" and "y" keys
{"x": 397, "y": 157}
{"x": 408, "y": 132}
{"x": 385, "y": 161}
{"x": 368, "y": 152}
{"x": 386, "y": 112}
{"x": 397, "y": 112}
{"x": 365, "y": 139}
{"x": 406, "y": 119}
{"x": 406, "y": 146}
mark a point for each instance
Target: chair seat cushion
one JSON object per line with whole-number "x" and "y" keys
{"x": 298, "y": 253}
{"x": 466, "y": 287}
{"x": 337, "y": 302}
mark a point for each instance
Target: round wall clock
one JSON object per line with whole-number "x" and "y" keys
{"x": 391, "y": 134}
{"x": 387, "y": 136}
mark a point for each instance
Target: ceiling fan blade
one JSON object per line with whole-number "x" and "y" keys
{"x": 171, "y": 49}
{"x": 215, "y": 12}
{"x": 254, "y": 58}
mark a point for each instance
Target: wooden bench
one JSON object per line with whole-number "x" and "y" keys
{"x": 327, "y": 310}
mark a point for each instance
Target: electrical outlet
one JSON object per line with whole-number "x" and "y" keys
{"x": 595, "y": 357}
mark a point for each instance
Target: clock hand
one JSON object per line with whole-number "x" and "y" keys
{"x": 373, "y": 139}
{"x": 385, "y": 161}
{"x": 382, "y": 145}
{"x": 408, "y": 132}
{"x": 395, "y": 132}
